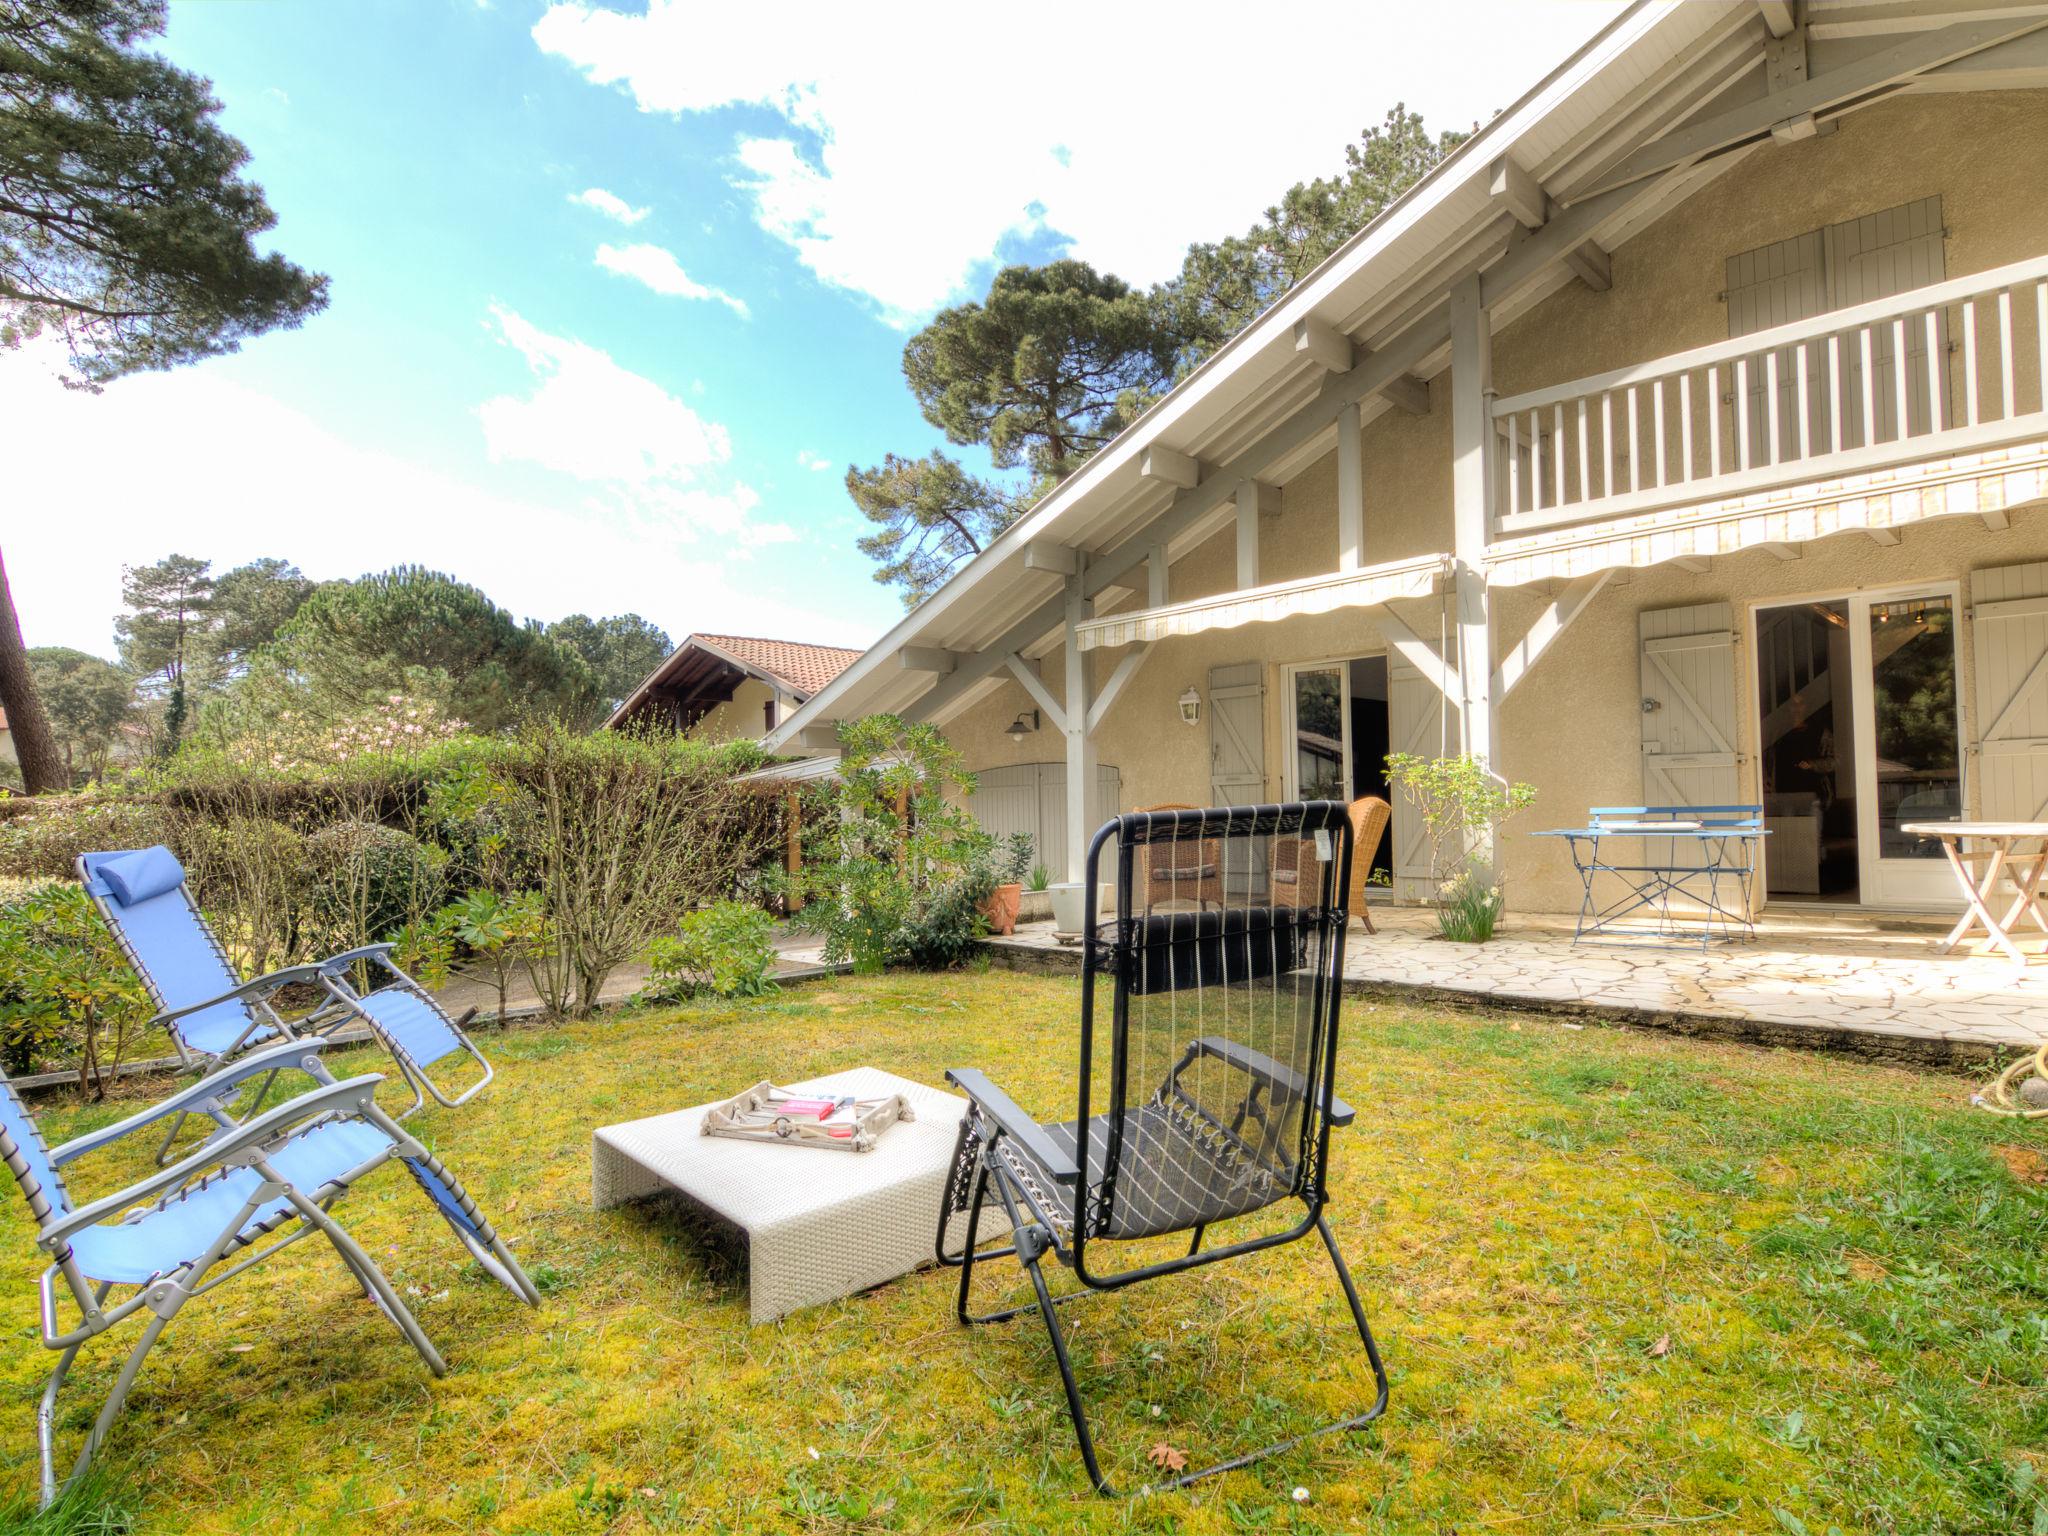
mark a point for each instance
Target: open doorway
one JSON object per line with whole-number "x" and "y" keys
{"x": 1860, "y": 736}
{"x": 1338, "y": 738}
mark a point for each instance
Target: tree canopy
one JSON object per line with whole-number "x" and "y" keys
{"x": 1058, "y": 359}
{"x": 163, "y": 631}
{"x": 250, "y": 604}
{"x": 619, "y": 651}
{"x": 125, "y": 227}
{"x": 414, "y": 631}
{"x": 88, "y": 699}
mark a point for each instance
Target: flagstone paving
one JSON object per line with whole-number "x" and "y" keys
{"x": 1812, "y": 981}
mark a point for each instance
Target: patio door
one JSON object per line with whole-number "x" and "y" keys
{"x": 1909, "y": 748}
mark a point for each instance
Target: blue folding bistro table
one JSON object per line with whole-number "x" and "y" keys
{"x": 1707, "y": 868}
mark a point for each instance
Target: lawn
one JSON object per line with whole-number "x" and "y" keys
{"x": 1624, "y": 1282}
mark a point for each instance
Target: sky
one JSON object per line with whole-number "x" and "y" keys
{"x": 619, "y": 292}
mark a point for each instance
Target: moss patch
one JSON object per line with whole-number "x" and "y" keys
{"x": 1623, "y": 1282}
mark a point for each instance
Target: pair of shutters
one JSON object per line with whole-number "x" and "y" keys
{"x": 1690, "y": 699}
{"x": 1032, "y": 797}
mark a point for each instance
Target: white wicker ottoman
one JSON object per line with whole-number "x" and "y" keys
{"x": 819, "y": 1223}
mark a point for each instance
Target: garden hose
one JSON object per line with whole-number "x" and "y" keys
{"x": 2005, "y": 1096}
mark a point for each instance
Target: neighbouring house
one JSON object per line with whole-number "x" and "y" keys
{"x": 724, "y": 687}
{"x": 7, "y": 753}
{"x": 1679, "y": 439}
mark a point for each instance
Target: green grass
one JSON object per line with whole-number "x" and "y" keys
{"x": 1624, "y": 1282}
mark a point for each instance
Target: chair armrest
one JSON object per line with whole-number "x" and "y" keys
{"x": 272, "y": 1058}
{"x": 1263, "y": 1067}
{"x": 349, "y": 957}
{"x": 260, "y": 986}
{"x": 352, "y": 1095}
{"x": 1002, "y": 1109}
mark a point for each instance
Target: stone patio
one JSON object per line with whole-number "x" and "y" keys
{"x": 1847, "y": 983}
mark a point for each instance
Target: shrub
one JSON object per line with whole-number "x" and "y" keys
{"x": 44, "y": 841}
{"x": 1463, "y": 804}
{"x": 369, "y": 881}
{"x": 500, "y": 933}
{"x": 727, "y": 950}
{"x": 252, "y": 876}
{"x": 64, "y": 986}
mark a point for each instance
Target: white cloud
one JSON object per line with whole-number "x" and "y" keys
{"x": 1130, "y": 147}
{"x": 610, "y": 204}
{"x": 817, "y": 463}
{"x": 659, "y": 270}
{"x": 592, "y": 419}
{"x": 210, "y": 468}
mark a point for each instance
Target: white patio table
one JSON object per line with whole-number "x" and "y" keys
{"x": 820, "y": 1223}
{"x": 1999, "y": 847}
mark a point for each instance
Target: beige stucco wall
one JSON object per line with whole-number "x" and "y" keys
{"x": 1573, "y": 728}
{"x": 739, "y": 718}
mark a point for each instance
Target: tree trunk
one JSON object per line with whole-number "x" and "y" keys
{"x": 42, "y": 769}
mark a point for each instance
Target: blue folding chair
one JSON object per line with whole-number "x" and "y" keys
{"x": 271, "y": 1177}
{"x": 212, "y": 1014}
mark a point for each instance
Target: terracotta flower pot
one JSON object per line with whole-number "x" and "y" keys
{"x": 1001, "y": 908}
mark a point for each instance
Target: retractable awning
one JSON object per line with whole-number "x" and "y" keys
{"x": 1361, "y": 588}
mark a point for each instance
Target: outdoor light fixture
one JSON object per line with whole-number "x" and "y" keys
{"x": 1025, "y": 723}
{"x": 1190, "y": 706}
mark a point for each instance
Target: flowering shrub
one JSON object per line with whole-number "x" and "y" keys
{"x": 292, "y": 739}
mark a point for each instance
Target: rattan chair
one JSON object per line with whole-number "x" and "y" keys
{"x": 1369, "y": 817}
{"x": 1220, "y": 1074}
{"x": 1190, "y": 871}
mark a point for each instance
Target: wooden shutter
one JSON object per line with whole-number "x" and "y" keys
{"x": 1688, "y": 705}
{"x": 1876, "y": 257}
{"x": 1416, "y": 724}
{"x": 1237, "y": 734}
{"x": 2009, "y": 623}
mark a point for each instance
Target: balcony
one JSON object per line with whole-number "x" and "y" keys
{"x": 1915, "y": 391}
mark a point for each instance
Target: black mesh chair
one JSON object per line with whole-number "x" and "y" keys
{"x": 1220, "y": 1069}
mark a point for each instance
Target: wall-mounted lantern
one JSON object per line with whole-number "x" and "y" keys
{"x": 1190, "y": 706}
{"x": 1025, "y": 723}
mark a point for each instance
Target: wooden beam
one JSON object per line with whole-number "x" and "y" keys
{"x": 1350, "y": 491}
{"x": 1171, "y": 467}
{"x": 1247, "y": 534}
{"x": 1782, "y": 551}
{"x": 927, "y": 658}
{"x": 1044, "y": 555}
{"x": 1120, "y": 679}
{"x": 1329, "y": 347}
{"x": 1997, "y": 521}
{"x": 1409, "y": 393}
{"x": 1590, "y": 264}
{"x": 1472, "y": 513}
{"x": 984, "y": 664}
{"x": 1519, "y": 193}
{"x": 1158, "y": 576}
{"x": 1866, "y": 77}
{"x": 1778, "y": 17}
{"x": 818, "y": 738}
{"x": 1027, "y": 674}
{"x": 1883, "y": 536}
{"x": 1559, "y": 616}
{"x": 1084, "y": 799}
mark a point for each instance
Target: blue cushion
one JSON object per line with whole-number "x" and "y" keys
{"x": 135, "y": 877}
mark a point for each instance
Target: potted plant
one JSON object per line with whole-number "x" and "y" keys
{"x": 1035, "y": 905}
{"x": 1000, "y": 909}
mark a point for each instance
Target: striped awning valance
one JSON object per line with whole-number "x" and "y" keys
{"x": 1262, "y": 605}
{"x": 1966, "y": 485}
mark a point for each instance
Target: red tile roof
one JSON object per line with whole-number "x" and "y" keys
{"x": 804, "y": 668}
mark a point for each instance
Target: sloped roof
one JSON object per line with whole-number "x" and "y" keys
{"x": 708, "y": 667}
{"x": 797, "y": 664}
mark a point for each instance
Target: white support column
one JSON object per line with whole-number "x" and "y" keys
{"x": 1156, "y": 579}
{"x": 1082, "y": 801}
{"x": 1471, "y": 511}
{"x": 1350, "y": 491}
{"x": 1247, "y": 533}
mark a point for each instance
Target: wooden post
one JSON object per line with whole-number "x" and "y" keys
{"x": 793, "y": 844}
{"x": 1247, "y": 534}
{"x": 1082, "y": 801}
{"x": 1471, "y": 511}
{"x": 1350, "y": 490}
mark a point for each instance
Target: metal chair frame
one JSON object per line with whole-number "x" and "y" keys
{"x": 1036, "y": 1230}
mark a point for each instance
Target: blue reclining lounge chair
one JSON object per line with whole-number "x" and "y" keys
{"x": 256, "y": 1186}
{"x": 212, "y": 1014}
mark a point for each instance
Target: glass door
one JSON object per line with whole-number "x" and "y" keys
{"x": 1908, "y": 742}
{"x": 1319, "y": 732}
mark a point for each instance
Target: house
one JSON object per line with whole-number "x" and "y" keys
{"x": 722, "y": 687}
{"x": 1679, "y": 439}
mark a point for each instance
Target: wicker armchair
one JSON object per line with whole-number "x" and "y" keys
{"x": 1182, "y": 871}
{"x": 1293, "y": 860}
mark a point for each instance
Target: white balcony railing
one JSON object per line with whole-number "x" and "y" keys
{"x": 1952, "y": 368}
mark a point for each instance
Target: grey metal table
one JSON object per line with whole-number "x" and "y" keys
{"x": 1713, "y": 885}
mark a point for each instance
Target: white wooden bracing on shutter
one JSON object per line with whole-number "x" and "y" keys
{"x": 2009, "y": 625}
{"x": 1032, "y": 797}
{"x": 1689, "y": 705}
{"x": 1854, "y": 262}
{"x": 1417, "y": 725}
{"x": 1237, "y": 754}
